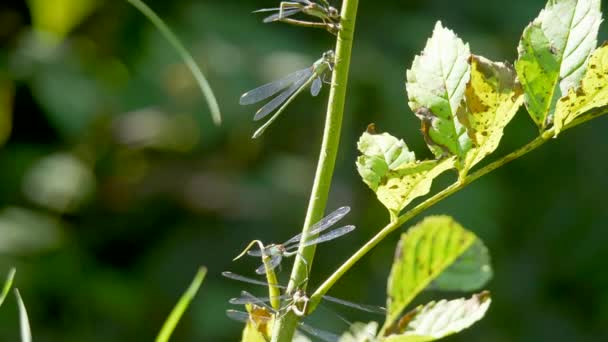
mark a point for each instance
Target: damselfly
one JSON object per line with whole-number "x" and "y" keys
{"x": 276, "y": 252}
{"x": 330, "y": 18}
{"x": 289, "y": 87}
{"x": 297, "y": 298}
{"x": 264, "y": 314}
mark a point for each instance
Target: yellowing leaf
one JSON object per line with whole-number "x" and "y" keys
{"x": 435, "y": 87}
{"x": 422, "y": 254}
{"x": 434, "y": 321}
{"x": 492, "y": 99}
{"x": 410, "y": 181}
{"x": 259, "y": 326}
{"x": 592, "y": 93}
{"x": 553, "y": 53}
{"x": 392, "y": 172}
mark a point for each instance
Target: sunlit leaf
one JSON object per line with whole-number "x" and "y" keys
{"x": 423, "y": 253}
{"x": 59, "y": 17}
{"x": 181, "y": 306}
{"x": 470, "y": 272}
{"x": 24, "y": 322}
{"x": 592, "y": 93}
{"x": 360, "y": 332}
{"x": 392, "y": 172}
{"x": 434, "y": 321}
{"x": 259, "y": 326}
{"x": 492, "y": 99}
{"x": 435, "y": 86}
{"x": 553, "y": 53}
{"x": 7, "y": 285}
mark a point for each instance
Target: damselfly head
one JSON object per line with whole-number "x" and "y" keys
{"x": 333, "y": 13}
{"x": 328, "y": 56}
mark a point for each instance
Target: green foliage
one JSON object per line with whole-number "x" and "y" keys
{"x": 436, "y": 320}
{"x": 470, "y": 272}
{"x": 360, "y": 332}
{"x": 181, "y": 306}
{"x": 423, "y": 253}
{"x": 553, "y": 54}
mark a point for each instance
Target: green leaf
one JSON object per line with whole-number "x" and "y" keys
{"x": 7, "y": 285}
{"x": 470, "y": 272}
{"x": 492, "y": 99}
{"x": 435, "y": 86}
{"x": 553, "y": 53}
{"x": 360, "y": 332}
{"x": 434, "y": 321}
{"x": 392, "y": 172}
{"x": 592, "y": 93}
{"x": 422, "y": 254}
{"x": 185, "y": 55}
{"x": 24, "y": 322}
{"x": 181, "y": 306}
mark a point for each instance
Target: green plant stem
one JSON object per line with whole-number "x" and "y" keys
{"x": 284, "y": 328}
{"x": 185, "y": 55}
{"x": 534, "y": 144}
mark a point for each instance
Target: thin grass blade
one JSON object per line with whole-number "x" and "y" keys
{"x": 181, "y": 306}
{"x": 322, "y": 224}
{"x": 24, "y": 322}
{"x": 267, "y": 90}
{"x": 284, "y": 96}
{"x": 185, "y": 55}
{"x": 7, "y": 285}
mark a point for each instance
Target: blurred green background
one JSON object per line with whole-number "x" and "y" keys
{"x": 115, "y": 185}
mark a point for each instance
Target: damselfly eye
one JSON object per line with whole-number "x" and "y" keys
{"x": 333, "y": 13}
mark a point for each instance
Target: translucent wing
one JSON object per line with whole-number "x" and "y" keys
{"x": 255, "y": 253}
{"x": 322, "y": 335}
{"x": 322, "y": 224}
{"x": 267, "y": 90}
{"x": 255, "y": 300}
{"x": 286, "y": 94}
{"x": 266, "y": 10}
{"x": 246, "y": 299}
{"x": 237, "y": 277}
{"x": 336, "y": 233}
{"x": 363, "y": 307}
{"x": 286, "y": 13}
{"x": 273, "y": 263}
{"x": 315, "y": 88}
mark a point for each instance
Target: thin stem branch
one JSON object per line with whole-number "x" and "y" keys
{"x": 284, "y": 328}
{"x": 534, "y": 144}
